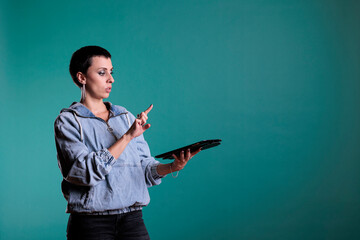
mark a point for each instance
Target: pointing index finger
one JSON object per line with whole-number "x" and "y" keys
{"x": 149, "y": 109}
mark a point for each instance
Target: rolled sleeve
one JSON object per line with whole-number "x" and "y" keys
{"x": 155, "y": 173}
{"x": 77, "y": 164}
{"x": 106, "y": 157}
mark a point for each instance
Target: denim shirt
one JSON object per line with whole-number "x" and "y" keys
{"x": 94, "y": 182}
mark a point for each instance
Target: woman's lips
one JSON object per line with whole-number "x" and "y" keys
{"x": 108, "y": 90}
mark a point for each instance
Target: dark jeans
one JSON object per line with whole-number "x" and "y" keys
{"x": 129, "y": 226}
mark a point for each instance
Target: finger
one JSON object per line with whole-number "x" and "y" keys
{"x": 144, "y": 115}
{"x": 146, "y": 127}
{"x": 188, "y": 154}
{"x": 182, "y": 156}
{"x": 196, "y": 152}
{"x": 149, "y": 109}
{"x": 140, "y": 119}
{"x": 143, "y": 120}
{"x": 175, "y": 157}
{"x": 139, "y": 122}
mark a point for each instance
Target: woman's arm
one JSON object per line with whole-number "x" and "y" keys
{"x": 119, "y": 146}
{"x": 137, "y": 128}
{"x": 79, "y": 165}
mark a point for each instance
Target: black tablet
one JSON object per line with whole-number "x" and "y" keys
{"x": 205, "y": 144}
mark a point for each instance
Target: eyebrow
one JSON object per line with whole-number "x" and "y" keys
{"x": 105, "y": 68}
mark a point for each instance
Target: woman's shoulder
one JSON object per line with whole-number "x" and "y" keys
{"x": 66, "y": 114}
{"x": 64, "y": 118}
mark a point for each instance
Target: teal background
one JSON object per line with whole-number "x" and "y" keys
{"x": 277, "y": 81}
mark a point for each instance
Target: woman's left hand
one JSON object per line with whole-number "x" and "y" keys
{"x": 181, "y": 160}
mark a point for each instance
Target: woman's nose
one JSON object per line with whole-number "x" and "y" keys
{"x": 111, "y": 79}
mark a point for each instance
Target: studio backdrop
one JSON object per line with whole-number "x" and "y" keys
{"x": 278, "y": 81}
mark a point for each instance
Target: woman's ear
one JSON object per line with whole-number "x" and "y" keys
{"x": 81, "y": 77}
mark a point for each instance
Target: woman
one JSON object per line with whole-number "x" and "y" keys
{"x": 103, "y": 157}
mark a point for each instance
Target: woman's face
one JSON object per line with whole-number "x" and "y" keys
{"x": 99, "y": 78}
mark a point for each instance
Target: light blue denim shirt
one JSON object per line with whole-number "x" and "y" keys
{"x": 94, "y": 182}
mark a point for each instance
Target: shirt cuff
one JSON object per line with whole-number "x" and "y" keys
{"x": 106, "y": 157}
{"x": 154, "y": 172}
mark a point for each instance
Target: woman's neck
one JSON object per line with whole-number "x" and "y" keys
{"x": 96, "y": 106}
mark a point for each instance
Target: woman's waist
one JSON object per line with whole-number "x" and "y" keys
{"x": 108, "y": 212}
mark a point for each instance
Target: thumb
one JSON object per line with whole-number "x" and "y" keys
{"x": 147, "y": 126}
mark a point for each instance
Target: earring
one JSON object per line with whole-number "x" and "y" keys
{"x": 83, "y": 94}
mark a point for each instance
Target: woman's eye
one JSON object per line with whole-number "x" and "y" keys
{"x": 102, "y": 73}
{"x": 111, "y": 72}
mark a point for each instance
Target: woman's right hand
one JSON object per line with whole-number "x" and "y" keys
{"x": 139, "y": 126}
